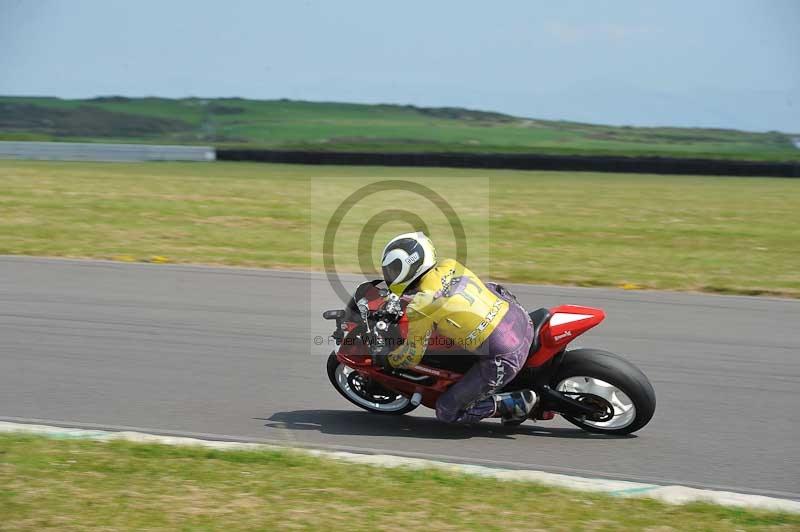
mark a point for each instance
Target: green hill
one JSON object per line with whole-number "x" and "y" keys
{"x": 287, "y": 124}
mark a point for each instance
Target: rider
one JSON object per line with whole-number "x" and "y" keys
{"x": 480, "y": 318}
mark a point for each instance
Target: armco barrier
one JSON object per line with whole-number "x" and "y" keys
{"x": 87, "y": 151}
{"x": 578, "y": 163}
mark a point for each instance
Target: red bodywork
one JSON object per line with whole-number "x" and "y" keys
{"x": 566, "y": 323}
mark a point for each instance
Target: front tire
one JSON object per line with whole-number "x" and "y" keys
{"x": 617, "y": 381}
{"x": 365, "y": 393}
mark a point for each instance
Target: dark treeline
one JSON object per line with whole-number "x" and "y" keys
{"x": 578, "y": 163}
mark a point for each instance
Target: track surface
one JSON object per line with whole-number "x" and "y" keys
{"x": 179, "y": 349}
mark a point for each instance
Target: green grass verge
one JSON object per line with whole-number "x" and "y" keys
{"x": 80, "y": 485}
{"x": 285, "y": 124}
{"x": 719, "y": 234}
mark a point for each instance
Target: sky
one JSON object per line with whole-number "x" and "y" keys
{"x": 701, "y": 63}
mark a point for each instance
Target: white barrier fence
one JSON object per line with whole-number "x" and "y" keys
{"x": 84, "y": 151}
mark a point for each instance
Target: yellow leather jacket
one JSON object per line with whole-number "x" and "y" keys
{"x": 454, "y": 301}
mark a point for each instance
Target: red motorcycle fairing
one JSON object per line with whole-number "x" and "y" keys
{"x": 429, "y": 392}
{"x": 566, "y": 323}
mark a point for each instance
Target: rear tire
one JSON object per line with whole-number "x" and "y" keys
{"x": 372, "y": 397}
{"x": 599, "y": 369}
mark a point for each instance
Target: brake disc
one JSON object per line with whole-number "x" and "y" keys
{"x": 368, "y": 389}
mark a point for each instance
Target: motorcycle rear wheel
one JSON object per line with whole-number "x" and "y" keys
{"x": 592, "y": 372}
{"x": 366, "y": 394}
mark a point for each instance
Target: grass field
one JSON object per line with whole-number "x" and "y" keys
{"x": 337, "y": 126}
{"x": 731, "y": 235}
{"x": 80, "y": 485}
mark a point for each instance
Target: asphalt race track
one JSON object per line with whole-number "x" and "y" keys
{"x": 230, "y": 352}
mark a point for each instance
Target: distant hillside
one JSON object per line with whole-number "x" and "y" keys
{"x": 286, "y": 124}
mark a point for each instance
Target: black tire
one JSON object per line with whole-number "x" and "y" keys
{"x": 617, "y": 372}
{"x": 333, "y": 365}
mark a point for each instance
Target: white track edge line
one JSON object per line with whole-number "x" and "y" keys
{"x": 622, "y": 488}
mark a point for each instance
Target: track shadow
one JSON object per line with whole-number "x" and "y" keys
{"x": 354, "y": 423}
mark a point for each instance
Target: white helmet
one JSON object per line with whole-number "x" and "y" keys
{"x": 406, "y": 258}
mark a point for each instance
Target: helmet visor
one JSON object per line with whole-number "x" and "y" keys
{"x": 392, "y": 271}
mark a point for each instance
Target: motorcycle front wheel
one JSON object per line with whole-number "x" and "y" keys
{"x": 588, "y": 374}
{"x": 364, "y": 392}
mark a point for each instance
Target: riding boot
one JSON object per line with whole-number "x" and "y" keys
{"x": 514, "y": 407}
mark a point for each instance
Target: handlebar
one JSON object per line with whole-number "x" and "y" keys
{"x": 386, "y": 315}
{"x": 390, "y": 312}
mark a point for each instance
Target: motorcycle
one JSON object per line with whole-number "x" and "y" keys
{"x": 595, "y": 390}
